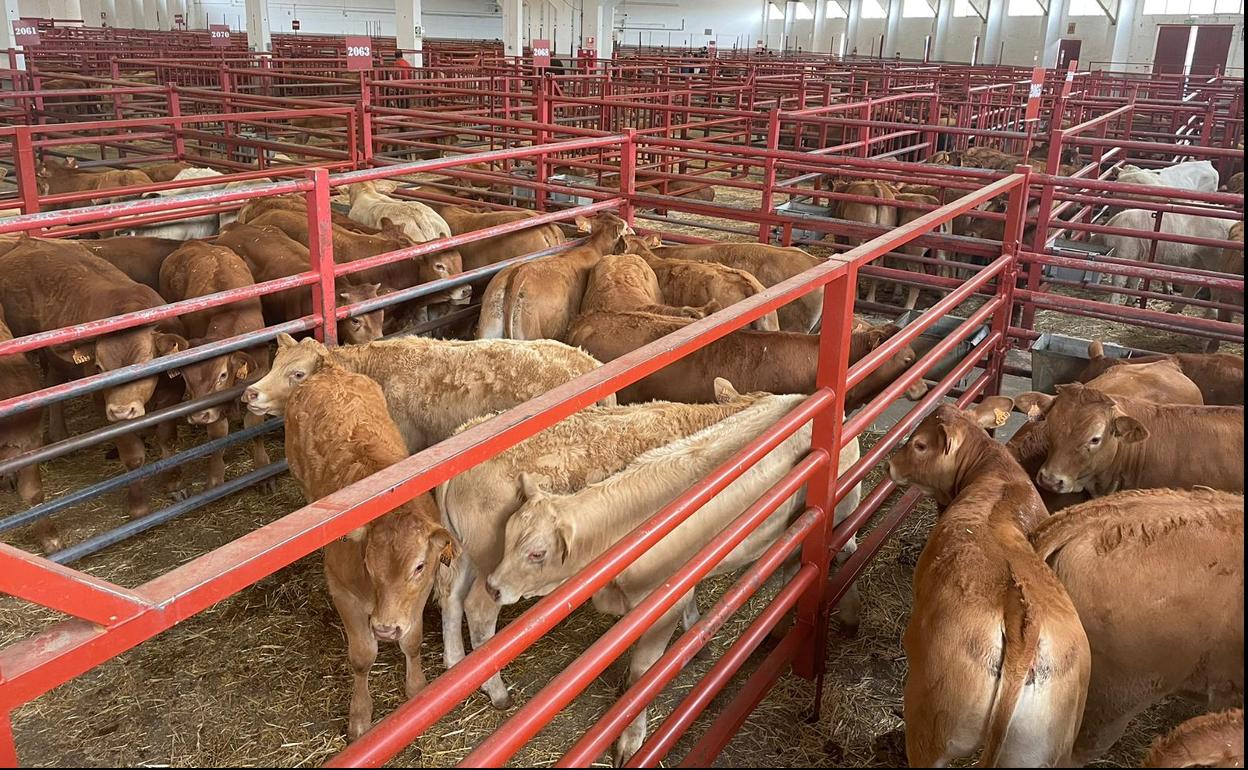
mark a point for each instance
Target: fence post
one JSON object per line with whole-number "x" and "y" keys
{"x": 24, "y": 158}
{"x": 321, "y": 255}
{"x": 540, "y": 138}
{"x": 8, "y": 746}
{"x": 812, "y": 608}
{"x": 1007, "y": 280}
{"x": 769, "y": 174}
{"x": 366, "y": 123}
{"x": 175, "y": 120}
{"x": 628, "y": 174}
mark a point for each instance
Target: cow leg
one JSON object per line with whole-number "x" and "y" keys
{"x": 57, "y": 431}
{"x": 452, "y": 607}
{"x": 361, "y": 653}
{"x": 30, "y": 488}
{"x": 259, "y": 453}
{"x": 646, "y": 651}
{"x": 409, "y": 643}
{"x": 872, "y": 288}
{"x": 689, "y": 617}
{"x": 216, "y": 461}
{"x": 133, "y": 454}
{"x": 849, "y": 608}
{"x": 1188, "y": 292}
{"x": 482, "y": 621}
{"x": 171, "y": 480}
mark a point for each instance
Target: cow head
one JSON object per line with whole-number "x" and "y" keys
{"x": 605, "y": 231}
{"x": 214, "y": 375}
{"x": 863, "y": 342}
{"x": 361, "y": 328}
{"x": 1084, "y": 429}
{"x": 402, "y": 552}
{"x": 442, "y": 265}
{"x": 642, "y": 244}
{"x": 536, "y": 546}
{"x": 940, "y": 446}
{"x": 119, "y": 350}
{"x": 294, "y": 363}
{"x": 354, "y": 191}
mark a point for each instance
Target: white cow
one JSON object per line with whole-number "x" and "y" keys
{"x": 1168, "y": 252}
{"x": 369, "y": 206}
{"x": 1199, "y": 175}
{"x": 183, "y": 229}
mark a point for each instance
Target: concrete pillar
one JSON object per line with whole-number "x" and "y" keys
{"x": 991, "y": 53}
{"x": 259, "y": 32}
{"x": 598, "y": 22}
{"x": 819, "y": 30}
{"x": 89, "y": 10}
{"x": 892, "y": 29}
{"x": 7, "y": 41}
{"x": 1054, "y": 28}
{"x": 762, "y": 34}
{"x": 1122, "y": 35}
{"x": 851, "y": 29}
{"x": 513, "y": 27}
{"x": 790, "y": 15}
{"x": 124, "y": 13}
{"x": 155, "y": 14}
{"x": 410, "y": 30}
{"x": 941, "y": 50}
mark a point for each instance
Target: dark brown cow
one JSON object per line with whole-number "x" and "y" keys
{"x": 1220, "y": 376}
{"x": 24, "y": 432}
{"x": 139, "y": 257}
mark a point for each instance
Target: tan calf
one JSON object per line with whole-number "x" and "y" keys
{"x": 699, "y": 283}
{"x": 297, "y": 203}
{"x": 60, "y": 177}
{"x": 1211, "y": 740}
{"x": 138, "y": 257}
{"x": 500, "y": 247}
{"x": 380, "y": 575}
{"x": 1219, "y": 376}
{"x": 416, "y": 220}
{"x": 996, "y": 655}
{"x": 625, "y": 282}
{"x": 1158, "y": 579}
{"x": 539, "y": 299}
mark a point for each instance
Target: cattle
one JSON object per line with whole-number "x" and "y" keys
{"x": 165, "y": 172}
{"x": 995, "y": 652}
{"x": 1167, "y": 252}
{"x": 432, "y": 386}
{"x": 139, "y": 258}
{"x": 1236, "y": 184}
{"x": 769, "y": 264}
{"x": 552, "y": 536}
{"x": 904, "y": 217}
{"x": 337, "y": 433}
{"x": 1219, "y": 376}
{"x": 1209, "y": 740}
{"x": 585, "y": 447}
{"x": 1101, "y": 444}
{"x": 23, "y": 433}
{"x": 539, "y": 299}
{"x": 1232, "y": 263}
{"x": 350, "y": 246}
{"x": 775, "y": 362}
{"x": 63, "y": 177}
{"x": 623, "y": 282}
{"x": 698, "y": 283}
{"x": 204, "y": 226}
{"x": 53, "y": 284}
{"x": 499, "y": 247}
{"x": 197, "y": 270}
{"x": 1158, "y": 579}
{"x": 253, "y": 209}
{"x": 271, "y": 254}
{"x": 876, "y": 214}
{"x": 415, "y": 219}
{"x": 1199, "y": 175}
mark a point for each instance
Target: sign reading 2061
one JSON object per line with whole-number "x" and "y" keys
{"x": 25, "y": 33}
{"x": 359, "y": 52}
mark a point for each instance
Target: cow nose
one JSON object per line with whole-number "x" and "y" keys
{"x": 202, "y": 418}
{"x": 249, "y": 395}
{"x": 118, "y": 412}
{"x": 385, "y": 633}
{"x": 1050, "y": 482}
{"x": 494, "y": 593}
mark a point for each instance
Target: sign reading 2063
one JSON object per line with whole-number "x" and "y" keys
{"x": 25, "y": 33}
{"x": 359, "y": 52}
{"x": 219, "y": 35}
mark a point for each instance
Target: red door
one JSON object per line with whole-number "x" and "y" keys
{"x": 1213, "y": 44}
{"x": 1068, "y": 51}
{"x": 1171, "y": 51}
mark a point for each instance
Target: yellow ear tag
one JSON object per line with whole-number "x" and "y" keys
{"x": 174, "y": 373}
{"x": 1033, "y": 413}
{"x": 80, "y": 358}
{"x": 1001, "y": 416}
{"x": 242, "y": 372}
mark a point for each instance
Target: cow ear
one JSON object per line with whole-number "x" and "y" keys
{"x": 1096, "y": 350}
{"x": 243, "y": 364}
{"x": 386, "y": 223}
{"x": 1033, "y": 404}
{"x": 563, "y": 536}
{"x": 169, "y": 343}
{"x": 445, "y": 546}
{"x": 1129, "y": 430}
{"x": 531, "y": 485}
{"x": 284, "y": 340}
{"x": 725, "y": 393}
{"x": 371, "y": 289}
{"x": 992, "y": 412}
{"x": 583, "y": 225}
{"x": 653, "y": 240}
{"x": 71, "y": 162}
{"x": 76, "y": 354}
{"x": 951, "y": 432}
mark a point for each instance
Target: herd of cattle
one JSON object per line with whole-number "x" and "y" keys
{"x": 1077, "y": 574}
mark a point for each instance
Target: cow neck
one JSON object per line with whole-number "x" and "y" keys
{"x": 372, "y": 361}
{"x": 599, "y": 242}
{"x": 989, "y": 485}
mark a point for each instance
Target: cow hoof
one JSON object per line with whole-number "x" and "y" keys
{"x": 51, "y": 545}
{"x": 504, "y": 703}
{"x": 267, "y": 487}
{"x": 180, "y": 494}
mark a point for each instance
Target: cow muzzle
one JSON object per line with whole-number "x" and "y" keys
{"x": 461, "y": 295}
{"x": 387, "y": 633}
{"x": 206, "y": 417}
{"x": 119, "y": 412}
{"x": 1055, "y": 482}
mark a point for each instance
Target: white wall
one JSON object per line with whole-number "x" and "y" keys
{"x": 56, "y": 9}
{"x": 468, "y": 19}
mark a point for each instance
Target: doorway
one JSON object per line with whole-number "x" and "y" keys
{"x": 1068, "y": 51}
{"x": 1191, "y": 49}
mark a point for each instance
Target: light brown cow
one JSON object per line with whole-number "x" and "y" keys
{"x": 774, "y": 362}
{"x": 877, "y": 214}
{"x": 165, "y": 172}
{"x": 1236, "y": 183}
{"x": 553, "y": 536}
{"x": 1101, "y": 444}
{"x": 432, "y": 386}
{"x": 52, "y": 284}
{"x": 380, "y": 575}
{"x": 623, "y": 282}
{"x": 60, "y": 177}
{"x": 1158, "y": 579}
{"x": 996, "y": 655}
{"x": 416, "y": 220}
{"x": 539, "y": 299}
{"x": 769, "y": 264}
{"x": 698, "y": 283}
{"x": 1232, "y": 263}
{"x": 139, "y": 257}
{"x": 500, "y": 247}
{"x": 23, "y": 433}
{"x": 1220, "y": 376}
{"x": 256, "y": 208}
{"x": 197, "y": 270}
{"x": 1209, "y": 740}
{"x": 271, "y": 254}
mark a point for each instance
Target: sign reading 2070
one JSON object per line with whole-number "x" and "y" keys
{"x": 359, "y": 52}
{"x": 25, "y": 33}
{"x": 219, "y": 35}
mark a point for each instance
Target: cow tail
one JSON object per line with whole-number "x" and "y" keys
{"x": 513, "y": 308}
{"x": 1018, "y": 653}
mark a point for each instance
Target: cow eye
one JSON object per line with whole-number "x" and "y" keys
{"x": 441, "y": 268}
{"x": 355, "y": 323}
{"x": 222, "y": 376}
{"x": 920, "y": 446}
{"x": 419, "y": 568}
{"x": 298, "y": 375}
{"x": 537, "y": 557}
{"x": 1095, "y": 441}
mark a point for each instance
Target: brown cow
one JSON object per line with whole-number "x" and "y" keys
{"x": 539, "y": 299}
{"x": 1100, "y": 443}
{"x": 61, "y": 177}
{"x": 1232, "y": 263}
{"x": 1220, "y": 376}
{"x": 624, "y": 282}
{"x": 23, "y": 433}
{"x": 165, "y": 172}
{"x": 699, "y": 283}
{"x": 1210, "y": 740}
{"x": 52, "y": 284}
{"x": 139, "y": 257}
{"x": 1236, "y": 183}
{"x": 271, "y": 254}
{"x": 996, "y": 654}
{"x": 877, "y": 214}
{"x": 297, "y": 203}
{"x": 1158, "y": 578}
{"x": 196, "y": 270}
{"x": 477, "y": 254}
{"x": 775, "y": 362}
{"x": 380, "y": 575}
{"x": 769, "y": 264}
